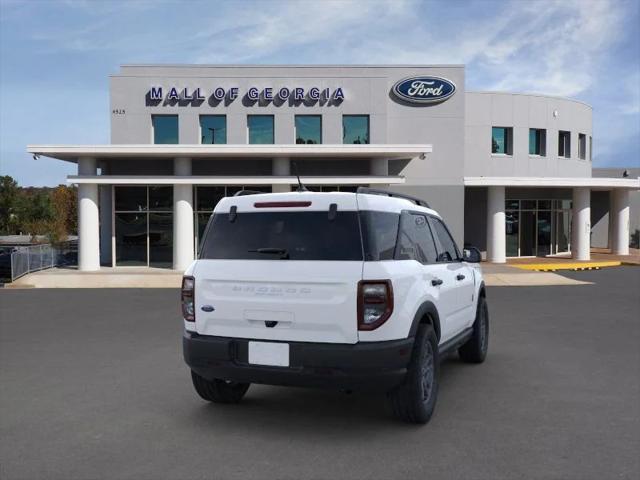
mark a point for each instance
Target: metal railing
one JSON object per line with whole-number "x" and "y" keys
{"x": 39, "y": 257}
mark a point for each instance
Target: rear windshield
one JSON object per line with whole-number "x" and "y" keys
{"x": 283, "y": 235}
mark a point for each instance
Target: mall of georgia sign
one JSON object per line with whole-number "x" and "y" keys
{"x": 424, "y": 89}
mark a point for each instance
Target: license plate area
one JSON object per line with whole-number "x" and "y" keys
{"x": 269, "y": 353}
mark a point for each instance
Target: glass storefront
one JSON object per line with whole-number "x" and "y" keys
{"x": 143, "y": 220}
{"x": 330, "y": 188}
{"x": 537, "y": 228}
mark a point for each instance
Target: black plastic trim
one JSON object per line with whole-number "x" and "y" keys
{"x": 455, "y": 342}
{"x": 364, "y": 365}
{"x": 430, "y": 309}
{"x": 373, "y": 191}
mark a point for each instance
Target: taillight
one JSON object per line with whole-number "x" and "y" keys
{"x": 188, "y": 306}
{"x": 375, "y": 303}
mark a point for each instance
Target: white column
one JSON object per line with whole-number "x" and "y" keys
{"x": 619, "y": 218}
{"x": 581, "y": 224}
{"x": 183, "y": 253}
{"x": 281, "y": 167}
{"x": 379, "y": 166}
{"x": 496, "y": 241}
{"x": 88, "y": 219}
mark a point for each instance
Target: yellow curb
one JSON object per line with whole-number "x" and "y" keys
{"x": 552, "y": 267}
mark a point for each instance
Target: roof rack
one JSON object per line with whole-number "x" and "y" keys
{"x": 373, "y": 191}
{"x": 242, "y": 193}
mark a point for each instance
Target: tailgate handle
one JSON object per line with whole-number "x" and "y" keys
{"x": 270, "y": 323}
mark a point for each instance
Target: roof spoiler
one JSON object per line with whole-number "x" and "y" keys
{"x": 385, "y": 193}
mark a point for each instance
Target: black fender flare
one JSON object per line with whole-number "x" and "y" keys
{"x": 426, "y": 309}
{"x": 482, "y": 291}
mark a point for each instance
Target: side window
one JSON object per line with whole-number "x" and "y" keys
{"x": 379, "y": 234}
{"x": 447, "y": 250}
{"x": 415, "y": 241}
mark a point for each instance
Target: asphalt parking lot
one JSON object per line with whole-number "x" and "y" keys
{"x": 92, "y": 385}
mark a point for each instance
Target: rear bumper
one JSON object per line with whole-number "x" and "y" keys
{"x": 362, "y": 366}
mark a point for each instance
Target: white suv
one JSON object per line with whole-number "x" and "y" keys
{"x": 341, "y": 290}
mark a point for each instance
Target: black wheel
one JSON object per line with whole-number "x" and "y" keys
{"x": 415, "y": 400}
{"x": 475, "y": 349}
{"x": 219, "y": 391}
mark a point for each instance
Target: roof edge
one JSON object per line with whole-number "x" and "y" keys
{"x": 543, "y": 95}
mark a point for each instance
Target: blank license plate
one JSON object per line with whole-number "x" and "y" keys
{"x": 264, "y": 353}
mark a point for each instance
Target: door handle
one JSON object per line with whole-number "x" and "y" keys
{"x": 436, "y": 281}
{"x": 460, "y": 277}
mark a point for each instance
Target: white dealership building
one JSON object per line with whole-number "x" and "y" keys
{"x": 510, "y": 173}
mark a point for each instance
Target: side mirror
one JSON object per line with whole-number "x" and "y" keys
{"x": 471, "y": 255}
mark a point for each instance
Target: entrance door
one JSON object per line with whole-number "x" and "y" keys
{"x": 544, "y": 234}
{"x": 143, "y": 221}
{"x": 527, "y": 233}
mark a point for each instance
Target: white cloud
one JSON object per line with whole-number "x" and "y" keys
{"x": 556, "y": 50}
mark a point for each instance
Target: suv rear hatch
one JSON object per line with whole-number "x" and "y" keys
{"x": 281, "y": 267}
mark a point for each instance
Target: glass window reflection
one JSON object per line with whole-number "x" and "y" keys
{"x": 355, "y": 129}
{"x": 213, "y": 129}
{"x": 165, "y": 129}
{"x": 308, "y": 129}
{"x": 261, "y": 129}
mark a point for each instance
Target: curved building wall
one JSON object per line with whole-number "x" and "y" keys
{"x": 520, "y": 113}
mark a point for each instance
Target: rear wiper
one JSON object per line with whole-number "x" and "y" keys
{"x": 284, "y": 255}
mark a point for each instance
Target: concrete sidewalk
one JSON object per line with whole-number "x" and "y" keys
{"x": 136, "y": 277}
{"x": 119, "y": 277}
{"x": 501, "y": 275}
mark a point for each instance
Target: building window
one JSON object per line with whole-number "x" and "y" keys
{"x": 590, "y": 148}
{"x": 538, "y": 142}
{"x": 564, "y": 144}
{"x": 213, "y": 129}
{"x": 165, "y": 129}
{"x": 502, "y": 140}
{"x": 582, "y": 146}
{"x": 308, "y": 129}
{"x": 260, "y": 129}
{"x": 355, "y": 129}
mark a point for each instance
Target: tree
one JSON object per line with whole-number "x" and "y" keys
{"x": 64, "y": 220}
{"x": 9, "y": 191}
{"x": 34, "y": 211}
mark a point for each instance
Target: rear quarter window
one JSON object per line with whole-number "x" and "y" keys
{"x": 303, "y": 235}
{"x": 379, "y": 234}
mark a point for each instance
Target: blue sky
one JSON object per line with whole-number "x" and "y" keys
{"x": 55, "y": 57}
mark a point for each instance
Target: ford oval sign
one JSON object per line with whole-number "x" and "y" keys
{"x": 424, "y": 89}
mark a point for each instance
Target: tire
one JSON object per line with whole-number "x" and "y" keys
{"x": 219, "y": 391}
{"x": 414, "y": 401}
{"x": 475, "y": 349}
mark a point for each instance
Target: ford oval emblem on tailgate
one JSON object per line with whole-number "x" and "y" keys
{"x": 207, "y": 308}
